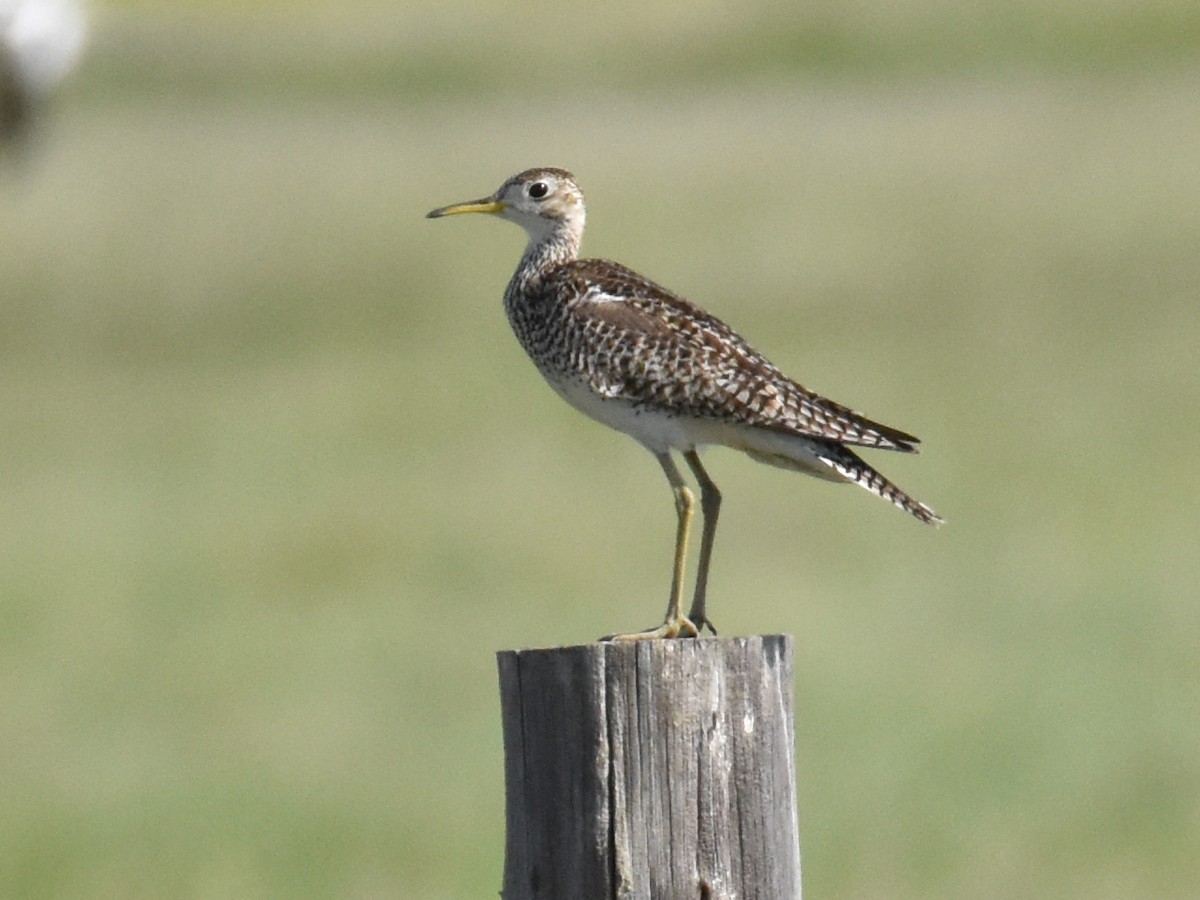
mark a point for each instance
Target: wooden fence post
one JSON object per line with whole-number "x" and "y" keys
{"x": 650, "y": 770}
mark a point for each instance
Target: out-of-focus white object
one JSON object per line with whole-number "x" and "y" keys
{"x": 42, "y": 39}
{"x": 40, "y": 43}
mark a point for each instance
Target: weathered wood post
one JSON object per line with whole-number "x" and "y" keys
{"x": 651, "y": 770}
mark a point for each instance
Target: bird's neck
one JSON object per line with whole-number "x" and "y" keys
{"x": 545, "y": 253}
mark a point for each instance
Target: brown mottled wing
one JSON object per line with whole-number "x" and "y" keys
{"x": 654, "y": 347}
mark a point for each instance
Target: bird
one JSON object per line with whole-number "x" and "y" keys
{"x": 643, "y": 360}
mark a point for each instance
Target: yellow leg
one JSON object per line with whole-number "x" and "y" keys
{"x": 710, "y": 505}
{"x": 675, "y": 625}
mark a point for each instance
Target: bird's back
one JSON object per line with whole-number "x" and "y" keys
{"x": 631, "y": 339}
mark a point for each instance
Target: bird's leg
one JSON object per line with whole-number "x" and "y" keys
{"x": 710, "y": 506}
{"x": 675, "y": 625}
{"x": 684, "y": 504}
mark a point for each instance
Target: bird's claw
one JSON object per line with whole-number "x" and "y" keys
{"x": 681, "y": 627}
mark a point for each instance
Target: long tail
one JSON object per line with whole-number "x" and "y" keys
{"x": 853, "y": 468}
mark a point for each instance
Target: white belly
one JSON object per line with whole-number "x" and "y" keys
{"x": 655, "y": 430}
{"x": 662, "y": 432}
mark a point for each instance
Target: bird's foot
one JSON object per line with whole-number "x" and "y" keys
{"x": 681, "y": 627}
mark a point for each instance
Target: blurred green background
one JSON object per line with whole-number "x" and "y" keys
{"x": 277, "y": 482}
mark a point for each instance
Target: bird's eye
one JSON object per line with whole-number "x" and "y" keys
{"x": 538, "y": 190}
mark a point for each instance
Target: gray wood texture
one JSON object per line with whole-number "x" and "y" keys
{"x": 651, "y": 770}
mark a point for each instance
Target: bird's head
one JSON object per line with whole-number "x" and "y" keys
{"x": 543, "y": 201}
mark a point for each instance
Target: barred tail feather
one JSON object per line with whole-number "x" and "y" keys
{"x": 825, "y": 459}
{"x": 850, "y": 467}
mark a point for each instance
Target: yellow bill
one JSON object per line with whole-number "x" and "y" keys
{"x": 486, "y": 205}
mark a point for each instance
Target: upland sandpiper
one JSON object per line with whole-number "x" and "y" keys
{"x": 642, "y": 360}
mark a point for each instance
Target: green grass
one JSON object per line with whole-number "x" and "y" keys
{"x": 277, "y": 481}
{"x": 474, "y": 48}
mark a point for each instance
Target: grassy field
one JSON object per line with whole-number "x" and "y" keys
{"x": 277, "y": 482}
